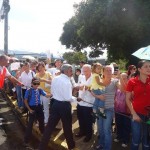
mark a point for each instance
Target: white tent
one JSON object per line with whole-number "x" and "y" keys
{"x": 28, "y": 57}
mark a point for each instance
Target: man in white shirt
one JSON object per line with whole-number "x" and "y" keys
{"x": 61, "y": 89}
{"x": 84, "y": 108}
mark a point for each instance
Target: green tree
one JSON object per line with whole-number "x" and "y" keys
{"x": 121, "y": 26}
{"x": 74, "y": 57}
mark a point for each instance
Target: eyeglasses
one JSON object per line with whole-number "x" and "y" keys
{"x": 36, "y": 83}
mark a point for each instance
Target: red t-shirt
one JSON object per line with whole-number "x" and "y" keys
{"x": 2, "y": 77}
{"x": 141, "y": 94}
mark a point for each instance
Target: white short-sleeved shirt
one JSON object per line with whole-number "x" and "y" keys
{"x": 26, "y": 78}
{"x": 61, "y": 88}
{"x": 85, "y": 94}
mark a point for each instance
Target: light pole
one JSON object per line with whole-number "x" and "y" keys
{"x": 4, "y": 15}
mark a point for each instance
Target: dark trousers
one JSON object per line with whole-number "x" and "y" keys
{"x": 37, "y": 114}
{"x": 123, "y": 126}
{"x": 85, "y": 119}
{"x": 23, "y": 94}
{"x": 59, "y": 110}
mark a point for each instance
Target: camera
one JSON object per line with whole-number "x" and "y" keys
{"x": 116, "y": 68}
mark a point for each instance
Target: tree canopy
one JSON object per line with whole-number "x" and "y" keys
{"x": 75, "y": 57}
{"x": 121, "y": 26}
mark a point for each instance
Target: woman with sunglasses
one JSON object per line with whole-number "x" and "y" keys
{"x": 33, "y": 103}
{"x": 137, "y": 99}
{"x": 131, "y": 71}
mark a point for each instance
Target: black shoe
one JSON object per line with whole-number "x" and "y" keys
{"x": 103, "y": 115}
{"x": 86, "y": 139}
{"x": 24, "y": 111}
{"x": 79, "y": 134}
{"x": 26, "y": 144}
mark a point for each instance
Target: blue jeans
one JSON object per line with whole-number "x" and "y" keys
{"x": 140, "y": 134}
{"x": 19, "y": 96}
{"x": 105, "y": 129}
{"x": 98, "y": 103}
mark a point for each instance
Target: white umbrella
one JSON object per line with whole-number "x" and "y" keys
{"x": 28, "y": 57}
{"x": 143, "y": 53}
{"x": 13, "y": 59}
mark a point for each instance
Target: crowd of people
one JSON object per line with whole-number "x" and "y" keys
{"x": 102, "y": 93}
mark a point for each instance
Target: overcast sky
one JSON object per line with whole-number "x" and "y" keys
{"x": 36, "y": 25}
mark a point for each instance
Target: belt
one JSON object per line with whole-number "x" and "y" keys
{"x": 36, "y": 105}
{"x": 55, "y": 100}
{"x": 24, "y": 88}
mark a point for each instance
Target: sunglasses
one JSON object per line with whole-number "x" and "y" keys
{"x": 134, "y": 69}
{"x": 36, "y": 83}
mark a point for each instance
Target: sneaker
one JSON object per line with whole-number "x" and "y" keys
{"x": 86, "y": 139}
{"x": 1, "y": 119}
{"x": 99, "y": 147}
{"x": 95, "y": 116}
{"x": 26, "y": 144}
{"x": 37, "y": 124}
{"x": 116, "y": 140}
{"x": 124, "y": 145}
{"x": 75, "y": 148}
{"x": 1, "y": 123}
{"x": 103, "y": 115}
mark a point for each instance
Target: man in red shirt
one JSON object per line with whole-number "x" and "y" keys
{"x": 5, "y": 73}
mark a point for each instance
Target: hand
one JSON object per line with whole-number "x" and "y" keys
{"x": 31, "y": 111}
{"x": 41, "y": 80}
{"x": 135, "y": 117}
{"x": 49, "y": 95}
{"x": 20, "y": 83}
{"x": 75, "y": 91}
{"x": 81, "y": 87}
{"x": 79, "y": 99}
{"x": 93, "y": 94}
{"x": 87, "y": 88}
{"x": 76, "y": 88}
{"x": 101, "y": 97}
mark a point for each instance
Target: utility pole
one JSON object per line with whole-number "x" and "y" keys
{"x": 4, "y": 15}
{"x": 6, "y": 10}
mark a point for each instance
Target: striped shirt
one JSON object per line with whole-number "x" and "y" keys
{"x": 110, "y": 91}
